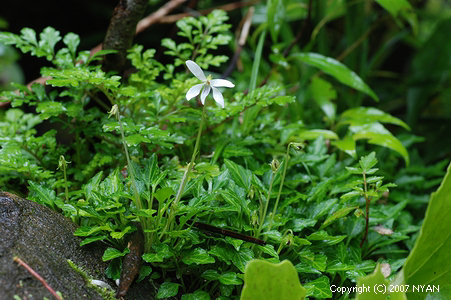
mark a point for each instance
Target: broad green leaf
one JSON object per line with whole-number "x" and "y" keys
{"x": 120, "y": 234}
{"x": 230, "y": 278}
{"x": 264, "y": 280}
{"x": 315, "y": 133}
{"x": 347, "y": 144}
{"x": 319, "y": 288}
{"x": 373, "y": 286}
{"x": 324, "y": 236}
{"x": 394, "y": 7}
{"x": 93, "y": 239}
{"x": 198, "y": 256}
{"x": 429, "y": 263}
{"x": 377, "y": 134}
{"x": 162, "y": 252}
{"x": 111, "y": 253}
{"x": 336, "y": 69}
{"x": 167, "y": 289}
{"x": 365, "y": 115}
{"x": 323, "y": 93}
{"x": 337, "y": 215}
{"x": 164, "y": 193}
{"x": 197, "y": 295}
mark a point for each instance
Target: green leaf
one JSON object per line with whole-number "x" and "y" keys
{"x": 164, "y": 193}
{"x": 230, "y": 278}
{"x": 162, "y": 252}
{"x": 319, "y": 288}
{"x": 323, "y": 93}
{"x": 111, "y": 253}
{"x": 93, "y": 239}
{"x": 120, "y": 234}
{"x": 276, "y": 17}
{"x": 72, "y": 41}
{"x": 198, "y": 256}
{"x": 429, "y": 262}
{"x": 256, "y": 63}
{"x": 49, "y": 109}
{"x": 337, "y": 215}
{"x": 167, "y": 289}
{"x": 264, "y": 280}
{"x": 336, "y": 69}
{"x": 376, "y": 134}
{"x": 42, "y": 194}
{"x": 369, "y": 283}
{"x": 240, "y": 175}
{"x": 313, "y": 134}
{"x": 365, "y": 115}
{"x": 48, "y": 39}
{"x": 347, "y": 144}
{"x": 197, "y": 295}
{"x": 368, "y": 161}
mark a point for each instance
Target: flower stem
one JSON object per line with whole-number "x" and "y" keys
{"x": 185, "y": 175}
{"x": 263, "y": 216}
{"x": 285, "y": 165}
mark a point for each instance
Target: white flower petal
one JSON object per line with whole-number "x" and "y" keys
{"x": 221, "y": 83}
{"x": 218, "y": 96}
{"x": 204, "y": 94}
{"x": 194, "y": 91}
{"x": 196, "y": 70}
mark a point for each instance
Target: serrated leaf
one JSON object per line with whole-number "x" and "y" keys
{"x": 319, "y": 288}
{"x": 336, "y": 69}
{"x": 264, "y": 280}
{"x": 240, "y": 175}
{"x": 49, "y": 109}
{"x": 337, "y": 215}
{"x": 72, "y": 41}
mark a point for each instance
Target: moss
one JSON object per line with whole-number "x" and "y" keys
{"x": 104, "y": 292}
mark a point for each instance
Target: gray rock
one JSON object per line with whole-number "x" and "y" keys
{"x": 44, "y": 240}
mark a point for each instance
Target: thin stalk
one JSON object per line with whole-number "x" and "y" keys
{"x": 367, "y": 209}
{"x": 185, "y": 176}
{"x": 287, "y": 157}
{"x": 263, "y": 216}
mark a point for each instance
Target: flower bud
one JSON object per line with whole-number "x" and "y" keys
{"x": 275, "y": 164}
{"x": 114, "y": 110}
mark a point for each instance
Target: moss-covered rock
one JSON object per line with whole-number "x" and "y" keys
{"x": 44, "y": 240}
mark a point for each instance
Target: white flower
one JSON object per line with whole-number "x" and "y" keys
{"x": 206, "y": 85}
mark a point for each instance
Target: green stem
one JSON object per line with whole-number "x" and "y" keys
{"x": 285, "y": 165}
{"x": 367, "y": 209}
{"x": 263, "y": 216}
{"x": 185, "y": 176}
{"x": 66, "y": 189}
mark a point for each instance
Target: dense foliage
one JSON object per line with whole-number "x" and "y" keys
{"x": 295, "y": 161}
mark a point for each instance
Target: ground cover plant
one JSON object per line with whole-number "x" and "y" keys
{"x": 208, "y": 152}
